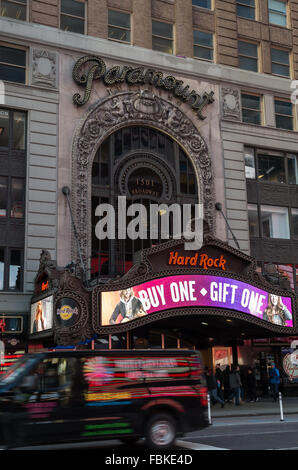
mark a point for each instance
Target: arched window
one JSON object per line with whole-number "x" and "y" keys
{"x": 148, "y": 167}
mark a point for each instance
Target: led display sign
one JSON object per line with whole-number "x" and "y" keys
{"x": 191, "y": 290}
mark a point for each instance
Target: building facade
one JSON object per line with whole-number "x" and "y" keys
{"x": 162, "y": 101}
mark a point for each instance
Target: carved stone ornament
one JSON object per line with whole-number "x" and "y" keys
{"x": 44, "y": 68}
{"x": 230, "y": 103}
{"x": 126, "y": 109}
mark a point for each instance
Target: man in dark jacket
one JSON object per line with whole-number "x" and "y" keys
{"x": 212, "y": 388}
{"x": 235, "y": 383}
{"x": 251, "y": 385}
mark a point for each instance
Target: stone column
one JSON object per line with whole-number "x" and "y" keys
{"x": 97, "y": 18}
{"x": 142, "y": 24}
{"x": 183, "y": 28}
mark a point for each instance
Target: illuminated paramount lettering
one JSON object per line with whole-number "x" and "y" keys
{"x": 89, "y": 68}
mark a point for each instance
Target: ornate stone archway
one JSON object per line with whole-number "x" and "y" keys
{"x": 126, "y": 109}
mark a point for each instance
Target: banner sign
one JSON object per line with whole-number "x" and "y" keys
{"x": 194, "y": 291}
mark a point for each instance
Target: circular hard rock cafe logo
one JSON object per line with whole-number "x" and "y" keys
{"x": 66, "y": 312}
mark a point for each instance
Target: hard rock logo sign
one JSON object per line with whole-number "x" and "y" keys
{"x": 66, "y": 312}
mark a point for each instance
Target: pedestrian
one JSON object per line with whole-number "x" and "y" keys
{"x": 251, "y": 385}
{"x": 235, "y": 383}
{"x": 212, "y": 388}
{"x": 274, "y": 381}
{"x": 219, "y": 381}
{"x": 226, "y": 384}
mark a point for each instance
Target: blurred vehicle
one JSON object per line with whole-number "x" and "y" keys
{"x": 73, "y": 396}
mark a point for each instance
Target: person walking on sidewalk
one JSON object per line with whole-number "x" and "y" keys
{"x": 274, "y": 381}
{"x": 235, "y": 383}
{"x": 212, "y": 388}
{"x": 226, "y": 385}
{"x": 251, "y": 385}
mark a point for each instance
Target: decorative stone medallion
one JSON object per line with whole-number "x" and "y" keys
{"x": 44, "y": 68}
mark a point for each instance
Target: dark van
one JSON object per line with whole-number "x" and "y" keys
{"x": 75, "y": 396}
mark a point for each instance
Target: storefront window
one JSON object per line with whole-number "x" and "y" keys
{"x": 118, "y": 341}
{"x": 102, "y": 342}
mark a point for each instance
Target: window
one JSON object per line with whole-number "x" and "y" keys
{"x": 280, "y": 62}
{"x": 248, "y": 56}
{"x": 15, "y": 9}
{"x": 271, "y": 166}
{"x": 119, "y": 26}
{"x": 251, "y": 109}
{"x": 253, "y": 220}
{"x": 203, "y": 45}
{"x": 246, "y": 9}
{"x": 283, "y": 114}
{"x": 202, "y": 3}
{"x": 162, "y": 37}
{"x": 249, "y": 159}
{"x": 275, "y": 222}
{"x": 294, "y": 223}
{"x": 277, "y": 12}
{"x": 72, "y": 16}
{"x": 12, "y": 196}
{"x": 12, "y": 64}
{"x": 11, "y": 272}
{"x": 292, "y": 163}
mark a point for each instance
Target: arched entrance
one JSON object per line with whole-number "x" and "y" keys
{"x": 143, "y": 110}
{"x": 150, "y": 169}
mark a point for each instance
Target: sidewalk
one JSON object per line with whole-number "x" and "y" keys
{"x": 263, "y": 407}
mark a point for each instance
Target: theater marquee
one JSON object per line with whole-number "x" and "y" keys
{"x": 194, "y": 291}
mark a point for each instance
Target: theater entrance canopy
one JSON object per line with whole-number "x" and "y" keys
{"x": 214, "y": 291}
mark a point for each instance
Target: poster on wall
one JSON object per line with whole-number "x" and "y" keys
{"x": 42, "y": 315}
{"x": 194, "y": 291}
